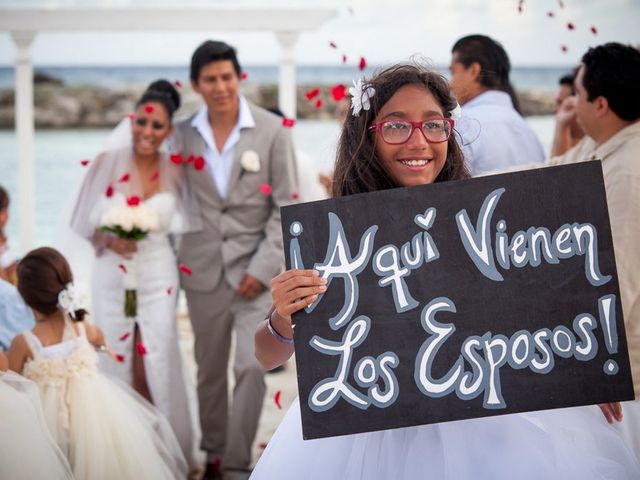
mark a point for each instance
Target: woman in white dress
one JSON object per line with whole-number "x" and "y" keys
{"x": 380, "y": 149}
{"x": 135, "y": 167}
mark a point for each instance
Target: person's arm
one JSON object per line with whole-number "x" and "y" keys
{"x": 565, "y": 117}
{"x": 291, "y": 291}
{"x": 18, "y": 353}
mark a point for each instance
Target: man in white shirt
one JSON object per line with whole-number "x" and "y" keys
{"x": 494, "y": 135}
{"x": 607, "y": 107}
{"x": 241, "y": 165}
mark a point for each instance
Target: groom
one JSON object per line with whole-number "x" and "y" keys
{"x": 239, "y": 161}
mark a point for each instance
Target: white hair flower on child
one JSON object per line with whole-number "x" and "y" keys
{"x": 456, "y": 113}
{"x": 71, "y": 299}
{"x": 360, "y": 97}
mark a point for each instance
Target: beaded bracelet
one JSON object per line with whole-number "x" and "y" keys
{"x": 275, "y": 334}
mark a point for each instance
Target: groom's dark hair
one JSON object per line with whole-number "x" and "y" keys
{"x": 212, "y": 51}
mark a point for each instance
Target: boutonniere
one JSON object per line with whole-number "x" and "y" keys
{"x": 250, "y": 161}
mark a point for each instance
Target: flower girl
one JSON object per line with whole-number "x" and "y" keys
{"x": 106, "y": 430}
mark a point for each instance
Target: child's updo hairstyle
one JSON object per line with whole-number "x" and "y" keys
{"x": 358, "y": 169}
{"x": 42, "y": 274}
{"x": 163, "y": 92}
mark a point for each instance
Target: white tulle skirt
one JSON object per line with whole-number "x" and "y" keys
{"x": 112, "y": 432}
{"x": 574, "y": 443}
{"x": 27, "y": 450}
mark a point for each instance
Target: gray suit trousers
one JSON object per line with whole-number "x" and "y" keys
{"x": 228, "y": 432}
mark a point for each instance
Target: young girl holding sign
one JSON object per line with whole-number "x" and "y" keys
{"x": 380, "y": 149}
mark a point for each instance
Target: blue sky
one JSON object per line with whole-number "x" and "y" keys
{"x": 371, "y": 28}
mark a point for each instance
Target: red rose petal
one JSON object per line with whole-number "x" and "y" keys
{"x": 124, "y": 178}
{"x": 571, "y": 26}
{"x": 191, "y": 158}
{"x": 333, "y": 45}
{"x": 338, "y": 92}
{"x": 564, "y": 48}
{"x": 141, "y": 348}
{"x": 109, "y": 192}
{"x": 131, "y": 116}
{"x": 266, "y": 189}
{"x": 363, "y": 63}
{"x": 551, "y": 14}
{"x": 199, "y": 163}
{"x": 178, "y": 84}
{"x": 133, "y": 201}
{"x": 276, "y": 399}
{"x": 319, "y": 104}
{"x": 176, "y": 158}
{"x": 244, "y": 76}
{"x": 311, "y": 94}
{"x": 84, "y": 163}
{"x": 295, "y": 196}
{"x": 561, "y": 3}
{"x": 594, "y": 30}
{"x": 288, "y": 122}
{"x": 169, "y": 290}
{"x": 155, "y": 176}
{"x": 122, "y": 267}
{"x": 120, "y": 358}
{"x": 344, "y": 58}
{"x": 186, "y": 270}
{"x": 262, "y": 445}
{"x": 124, "y": 336}
{"x": 149, "y": 108}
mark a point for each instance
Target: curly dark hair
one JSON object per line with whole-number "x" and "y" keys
{"x": 358, "y": 168}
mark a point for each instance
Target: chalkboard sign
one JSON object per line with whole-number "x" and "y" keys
{"x": 458, "y": 300}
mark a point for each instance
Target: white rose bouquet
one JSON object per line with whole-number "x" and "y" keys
{"x": 131, "y": 221}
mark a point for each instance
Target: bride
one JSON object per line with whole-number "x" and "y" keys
{"x": 146, "y": 345}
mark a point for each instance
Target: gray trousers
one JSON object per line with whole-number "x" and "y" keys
{"x": 228, "y": 432}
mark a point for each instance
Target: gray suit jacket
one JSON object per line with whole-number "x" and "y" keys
{"x": 241, "y": 233}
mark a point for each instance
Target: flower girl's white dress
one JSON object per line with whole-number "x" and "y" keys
{"x": 106, "y": 429}
{"x": 566, "y": 444}
{"x": 27, "y": 450}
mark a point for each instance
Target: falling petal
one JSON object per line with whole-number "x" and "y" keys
{"x": 120, "y": 357}
{"x": 131, "y": 116}
{"x": 551, "y": 14}
{"x": 141, "y": 348}
{"x": 122, "y": 267}
{"x": 266, "y": 189}
{"x": 244, "y": 76}
{"x": 191, "y": 158}
{"x": 178, "y": 84}
{"x": 262, "y": 445}
{"x": 295, "y": 196}
{"x": 124, "y": 178}
{"x": 199, "y": 163}
{"x": 288, "y": 122}
{"x": 109, "y": 192}
{"x": 186, "y": 270}
{"x": 319, "y": 104}
{"x": 564, "y": 48}
{"x": 155, "y": 176}
{"x": 363, "y": 63}
{"x": 124, "y": 336}
{"x": 84, "y": 163}
{"x": 176, "y": 158}
{"x": 333, "y": 45}
{"x": 311, "y": 94}
{"x": 344, "y": 58}
{"x": 571, "y": 26}
{"x": 561, "y": 3}
{"x": 594, "y": 30}
{"x": 133, "y": 201}
{"x": 169, "y": 290}
{"x": 276, "y": 398}
{"x": 149, "y": 108}
{"x": 338, "y": 92}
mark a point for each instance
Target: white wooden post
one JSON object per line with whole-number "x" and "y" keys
{"x": 24, "y": 124}
{"x": 287, "y": 73}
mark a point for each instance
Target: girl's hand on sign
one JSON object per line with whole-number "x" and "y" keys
{"x": 294, "y": 290}
{"x": 612, "y": 411}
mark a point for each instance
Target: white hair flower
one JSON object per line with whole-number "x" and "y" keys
{"x": 456, "y": 113}
{"x": 71, "y": 299}
{"x": 360, "y": 97}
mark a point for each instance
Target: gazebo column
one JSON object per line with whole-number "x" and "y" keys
{"x": 24, "y": 124}
{"x": 287, "y": 73}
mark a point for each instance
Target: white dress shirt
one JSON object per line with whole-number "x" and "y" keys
{"x": 220, "y": 163}
{"x": 504, "y": 139}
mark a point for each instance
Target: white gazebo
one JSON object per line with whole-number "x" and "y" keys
{"x": 25, "y": 24}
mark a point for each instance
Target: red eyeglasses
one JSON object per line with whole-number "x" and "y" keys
{"x": 396, "y": 132}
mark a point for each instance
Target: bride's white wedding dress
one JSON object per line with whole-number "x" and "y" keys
{"x": 157, "y": 289}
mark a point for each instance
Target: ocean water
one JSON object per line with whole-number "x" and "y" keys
{"x": 523, "y": 78}
{"x": 59, "y": 172}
